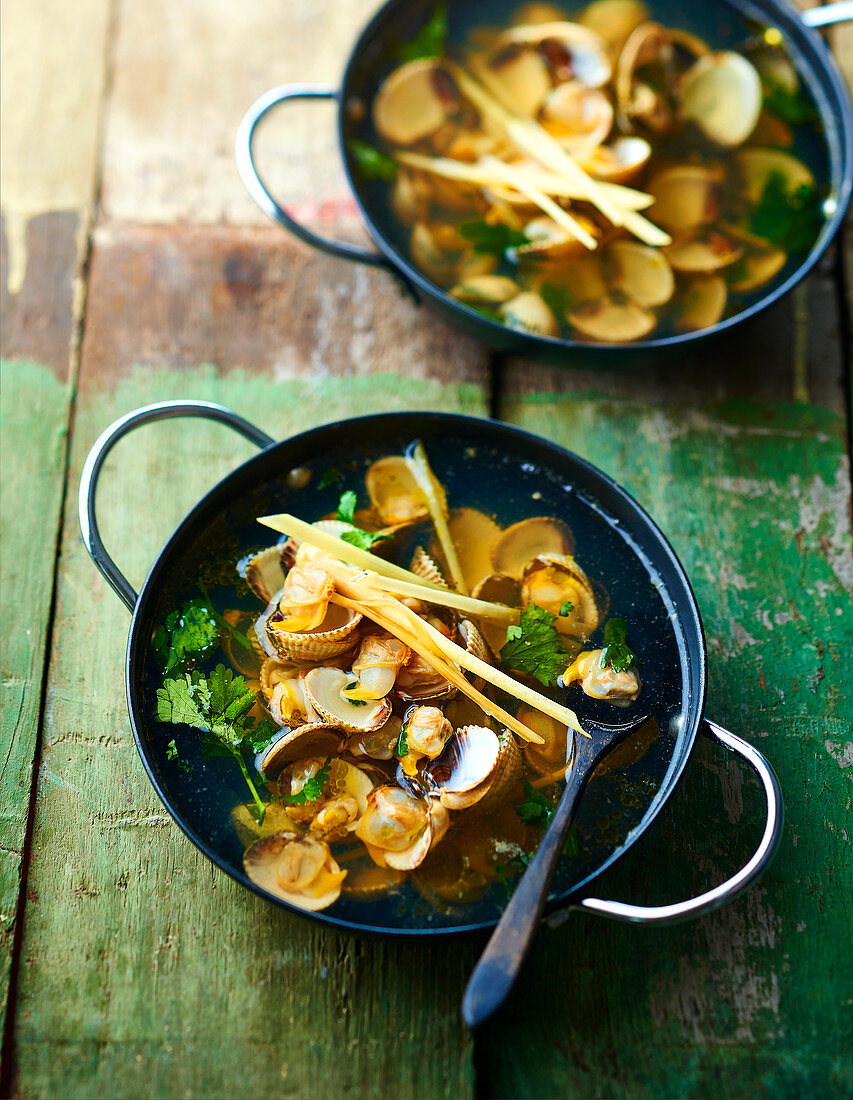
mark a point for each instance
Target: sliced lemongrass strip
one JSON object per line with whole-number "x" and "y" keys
{"x": 532, "y": 138}
{"x": 506, "y": 683}
{"x": 646, "y": 231}
{"x": 436, "y": 500}
{"x": 506, "y": 173}
{"x": 444, "y": 597}
{"x": 345, "y": 551}
{"x": 404, "y": 624}
{"x": 548, "y": 182}
{"x": 358, "y": 589}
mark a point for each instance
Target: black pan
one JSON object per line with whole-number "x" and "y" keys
{"x": 484, "y": 464}
{"x": 723, "y": 23}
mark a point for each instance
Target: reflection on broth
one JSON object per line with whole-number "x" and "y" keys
{"x": 405, "y": 727}
{"x": 600, "y": 176}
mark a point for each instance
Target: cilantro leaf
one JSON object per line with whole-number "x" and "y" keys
{"x": 364, "y": 540}
{"x": 331, "y": 475}
{"x": 372, "y": 162}
{"x": 565, "y": 607}
{"x": 176, "y": 758}
{"x": 313, "y": 788}
{"x": 186, "y": 633}
{"x": 218, "y": 705}
{"x": 402, "y": 748}
{"x": 534, "y": 646}
{"x": 261, "y": 735}
{"x": 430, "y": 39}
{"x": 536, "y": 809}
{"x": 616, "y": 652}
{"x": 788, "y": 218}
{"x": 346, "y": 507}
{"x": 491, "y": 240}
{"x": 788, "y": 106}
{"x": 557, "y": 299}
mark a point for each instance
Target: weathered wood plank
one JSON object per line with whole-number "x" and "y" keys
{"x": 52, "y": 75}
{"x": 144, "y": 971}
{"x": 750, "y": 482}
{"x": 183, "y": 80}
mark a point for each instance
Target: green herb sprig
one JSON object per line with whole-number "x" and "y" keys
{"x": 372, "y": 162}
{"x": 430, "y": 39}
{"x": 364, "y": 540}
{"x": 313, "y": 788}
{"x": 218, "y": 705}
{"x": 491, "y": 240}
{"x": 535, "y": 647}
{"x": 789, "y": 218}
{"x": 615, "y": 651}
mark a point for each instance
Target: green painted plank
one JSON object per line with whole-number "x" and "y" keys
{"x": 145, "y": 972}
{"x": 754, "y": 496}
{"x": 33, "y": 412}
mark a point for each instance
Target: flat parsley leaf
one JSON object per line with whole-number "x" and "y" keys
{"x": 331, "y": 475}
{"x": 364, "y": 540}
{"x": 491, "y": 240}
{"x": 565, "y": 607}
{"x": 218, "y": 705}
{"x": 402, "y": 748}
{"x": 788, "y": 218}
{"x": 790, "y": 107}
{"x": 185, "y": 634}
{"x": 313, "y": 788}
{"x": 616, "y": 652}
{"x": 536, "y": 809}
{"x": 429, "y": 41}
{"x": 176, "y": 758}
{"x": 372, "y": 162}
{"x": 534, "y": 646}
{"x": 557, "y": 299}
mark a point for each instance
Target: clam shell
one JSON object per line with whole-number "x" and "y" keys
{"x": 462, "y": 774}
{"x": 528, "y": 312}
{"x": 265, "y": 572}
{"x": 722, "y": 94}
{"x": 507, "y": 773}
{"x": 703, "y": 253}
{"x": 473, "y": 533}
{"x": 475, "y": 643}
{"x": 393, "y": 491}
{"x": 425, "y": 567}
{"x": 701, "y": 303}
{"x": 334, "y": 635}
{"x": 263, "y": 858}
{"x": 312, "y": 739}
{"x": 323, "y": 688}
{"x": 528, "y": 539}
{"x": 408, "y": 105}
{"x": 371, "y": 882}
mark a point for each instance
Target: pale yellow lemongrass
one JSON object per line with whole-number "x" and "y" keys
{"x": 404, "y": 624}
{"x": 433, "y": 492}
{"x": 445, "y": 598}
{"x": 506, "y": 683}
{"x": 552, "y": 777}
{"x": 548, "y": 182}
{"x": 515, "y": 179}
{"x": 530, "y": 137}
{"x": 646, "y": 231}
{"x": 345, "y": 551}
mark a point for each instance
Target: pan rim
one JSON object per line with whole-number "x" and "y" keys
{"x": 837, "y": 123}
{"x": 686, "y": 610}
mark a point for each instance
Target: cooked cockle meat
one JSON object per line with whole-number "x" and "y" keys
{"x": 298, "y": 869}
{"x": 602, "y": 681}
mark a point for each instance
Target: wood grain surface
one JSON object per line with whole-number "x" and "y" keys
{"x": 135, "y": 269}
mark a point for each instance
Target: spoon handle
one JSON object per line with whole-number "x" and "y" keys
{"x": 498, "y": 967}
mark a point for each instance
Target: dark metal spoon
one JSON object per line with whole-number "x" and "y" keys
{"x": 499, "y": 965}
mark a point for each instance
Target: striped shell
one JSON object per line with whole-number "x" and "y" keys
{"x": 425, "y": 567}
{"x": 507, "y": 773}
{"x": 334, "y": 635}
{"x": 312, "y": 739}
{"x": 323, "y": 688}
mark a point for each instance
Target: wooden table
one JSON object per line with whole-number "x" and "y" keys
{"x": 135, "y": 268}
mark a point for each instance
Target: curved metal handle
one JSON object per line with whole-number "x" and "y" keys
{"x": 258, "y": 189}
{"x": 828, "y": 14}
{"x": 163, "y": 410}
{"x": 719, "y": 895}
